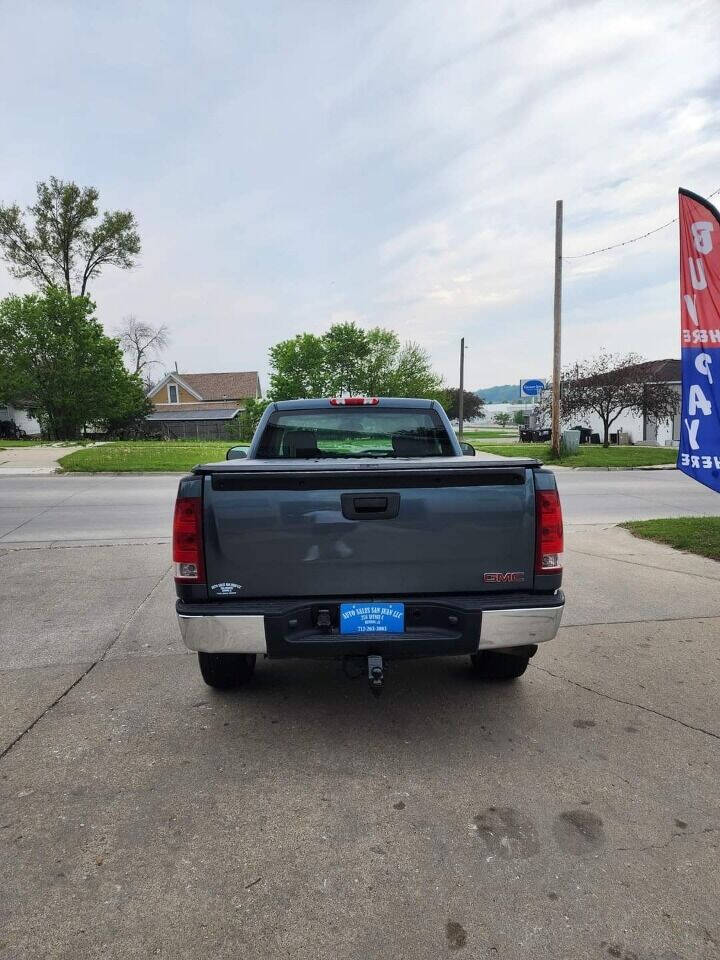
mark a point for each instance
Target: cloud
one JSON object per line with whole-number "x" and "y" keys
{"x": 292, "y": 164}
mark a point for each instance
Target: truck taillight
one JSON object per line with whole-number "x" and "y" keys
{"x": 549, "y": 532}
{"x": 187, "y": 541}
{"x": 354, "y": 401}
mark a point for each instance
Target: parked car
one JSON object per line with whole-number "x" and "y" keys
{"x": 361, "y": 529}
{"x": 10, "y": 431}
{"x": 535, "y": 434}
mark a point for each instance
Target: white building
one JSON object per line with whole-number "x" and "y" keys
{"x": 638, "y": 428}
{"x": 21, "y": 419}
{"x": 491, "y": 410}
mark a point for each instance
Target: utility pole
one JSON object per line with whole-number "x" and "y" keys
{"x": 461, "y": 395}
{"x": 557, "y": 337}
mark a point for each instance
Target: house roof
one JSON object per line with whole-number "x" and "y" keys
{"x": 668, "y": 371}
{"x": 665, "y": 371}
{"x": 205, "y": 405}
{"x": 223, "y": 386}
{"x": 207, "y": 413}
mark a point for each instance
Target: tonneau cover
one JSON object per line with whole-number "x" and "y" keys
{"x": 351, "y": 464}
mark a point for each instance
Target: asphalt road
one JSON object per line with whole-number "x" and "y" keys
{"x": 124, "y": 508}
{"x": 574, "y": 814}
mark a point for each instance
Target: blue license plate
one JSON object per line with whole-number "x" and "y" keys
{"x": 372, "y": 618}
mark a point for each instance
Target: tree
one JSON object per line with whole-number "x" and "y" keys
{"x": 502, "y": 418}
{"x": 473, "y": 405}
{"x": 348, "y": 360}
{"x": 518, "y": 418}
{"x": 250, "y": 417}
{"x": 56, "y": 361}
{"x": 62, "y": 247}
{"x": 139, "y": 341}
{"x": 610, "y": 385}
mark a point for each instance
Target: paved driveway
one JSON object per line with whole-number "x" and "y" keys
{"x": 574, "y": 814}
{"x": 29, "y": 461}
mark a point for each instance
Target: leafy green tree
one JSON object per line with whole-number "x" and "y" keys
{"x": 518, "y": 418}
{"x": 250, "y": 417}
{"x": 352, "y": 361}
{"x": 62, "y": 246}
{"x": 56, "y": 361}
{"x": 502, "y": 418}
{"x": 473, "y": 405}
{"x": 298, "y": 368}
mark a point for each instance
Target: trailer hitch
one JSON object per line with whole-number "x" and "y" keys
{"x": 375, "y": 674}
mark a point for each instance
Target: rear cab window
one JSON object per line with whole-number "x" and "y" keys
{"x": 349, "y": 432}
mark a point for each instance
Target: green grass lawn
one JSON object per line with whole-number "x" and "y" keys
{"x": 171, "y": 455}
{"x": 472, "y": 435}
{"x": 179, "y": 455}
{"x": 699, "y": 535}
{"x": 9, "y": 444}
{"x": 587, "y": 456}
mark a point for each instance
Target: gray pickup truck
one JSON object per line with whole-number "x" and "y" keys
{"x": 361, "y": 529}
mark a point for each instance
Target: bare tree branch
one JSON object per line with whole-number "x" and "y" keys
{"x": 141, "y": 342}
{"x": 610, "y": 385}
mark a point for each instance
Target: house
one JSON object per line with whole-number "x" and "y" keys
{"x": 639, "y": 428}
{"x": 201, "y": 405}
{"x": 20, "y": 419}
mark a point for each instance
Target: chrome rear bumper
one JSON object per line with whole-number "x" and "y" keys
{"x": 219, "y": 633}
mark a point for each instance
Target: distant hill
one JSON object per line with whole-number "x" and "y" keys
{"x": 505, "y": 393}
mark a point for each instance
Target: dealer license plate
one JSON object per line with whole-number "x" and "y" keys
{"x": 372, "y": 617}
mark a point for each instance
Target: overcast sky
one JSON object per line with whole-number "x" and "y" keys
{"x": 292, "y": 164}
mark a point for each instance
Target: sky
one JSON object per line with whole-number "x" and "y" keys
{"x": 294, "y": 163}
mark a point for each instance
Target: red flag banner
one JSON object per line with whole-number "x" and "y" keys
{"x": 699, "y": 453}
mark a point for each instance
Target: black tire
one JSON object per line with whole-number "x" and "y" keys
{"x": 499, "y": 665}
{"x": 225, "y": 671}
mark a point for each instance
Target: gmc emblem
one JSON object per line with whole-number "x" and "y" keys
{"x": 516, "y": 576}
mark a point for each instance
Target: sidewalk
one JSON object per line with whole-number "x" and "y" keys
{"x": 19, "y": 461}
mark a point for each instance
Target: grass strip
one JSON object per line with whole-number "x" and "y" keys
{"x": 700, "y": 535}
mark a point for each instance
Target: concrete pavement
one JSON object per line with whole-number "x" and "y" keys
{"x": 29, "y": 461}
{"x": 574, "y": 814}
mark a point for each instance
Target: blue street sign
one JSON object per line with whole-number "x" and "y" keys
{"x": 531, "y": 388}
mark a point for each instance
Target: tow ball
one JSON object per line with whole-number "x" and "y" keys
{"x": 376, "y": 675}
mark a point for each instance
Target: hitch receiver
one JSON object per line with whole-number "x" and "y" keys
{"x": 375, "y": 674}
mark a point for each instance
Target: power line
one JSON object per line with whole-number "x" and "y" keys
{"x": 624, "y": 243}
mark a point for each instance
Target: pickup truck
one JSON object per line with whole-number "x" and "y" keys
{"x": 361, "y": 529}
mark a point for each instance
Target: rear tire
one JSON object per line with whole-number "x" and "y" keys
{"x": 499, "y": 665}
{"x": 225, "y": 671}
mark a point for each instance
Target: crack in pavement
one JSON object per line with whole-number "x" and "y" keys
{"x": 628, "y": 703}
{"x": 647, "y": 566}
{"x": 42, "y": 512}
{"x": 16, "y": 546}
{"x": 92, "y": 666}
{"x": 685, "y": 837}
{"x": 616, "y": 623}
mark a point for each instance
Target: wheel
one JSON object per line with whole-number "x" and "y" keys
{"x": 226, "y": 670}
{"x": 499, "y": 665}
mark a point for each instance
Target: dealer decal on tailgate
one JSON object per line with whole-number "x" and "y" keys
{"x": 372, "y": 617}
{"x": 225, "y": 589}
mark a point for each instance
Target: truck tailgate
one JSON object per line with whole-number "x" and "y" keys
{"x": 368, "y": 529}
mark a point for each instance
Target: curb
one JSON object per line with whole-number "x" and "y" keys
{"x": 28, "y": 471}
{"x": 657, "y": 466}
{"x": 123, "y": 473}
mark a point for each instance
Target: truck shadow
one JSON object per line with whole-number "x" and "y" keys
{"x": 423, "y": 701}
